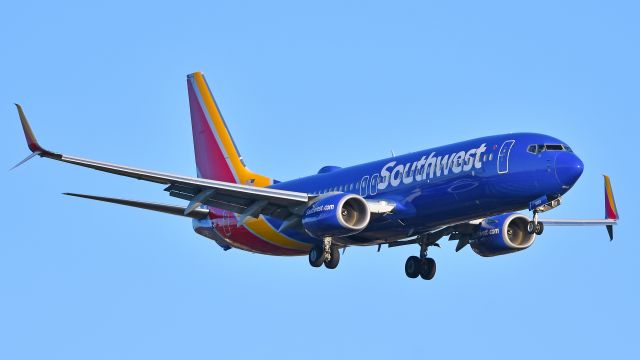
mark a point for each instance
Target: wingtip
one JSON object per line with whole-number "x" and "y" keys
{"x": 611, "y": 210}
{"x": 32, "y": 142}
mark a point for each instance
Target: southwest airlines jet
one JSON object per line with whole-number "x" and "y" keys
{"x": 469, "y": 192}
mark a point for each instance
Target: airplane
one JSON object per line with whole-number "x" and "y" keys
{"x": 470, "y": 192}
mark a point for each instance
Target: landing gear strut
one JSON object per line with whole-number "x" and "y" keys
{"x": 422, "y": 266}
{"x": 326, "y": 254}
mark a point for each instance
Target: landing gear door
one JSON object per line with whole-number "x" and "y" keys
{"x": 503, "y": 156}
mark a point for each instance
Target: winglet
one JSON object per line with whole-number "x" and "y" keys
{"x": 34, "y": 146}
{"x": 611, "y": 211}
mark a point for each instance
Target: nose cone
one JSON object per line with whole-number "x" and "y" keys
{"x": 569, "y": 167}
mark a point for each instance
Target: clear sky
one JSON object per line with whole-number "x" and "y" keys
{"x": 304, "y": 85}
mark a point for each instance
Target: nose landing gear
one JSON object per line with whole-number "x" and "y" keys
{"x": 543, "y": 204}
{"x": 534, "y": 226}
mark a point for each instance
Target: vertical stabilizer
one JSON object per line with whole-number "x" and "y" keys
{"x": 217, "y": 157}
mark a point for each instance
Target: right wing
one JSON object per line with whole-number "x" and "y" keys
{"x": 248, "y": 201}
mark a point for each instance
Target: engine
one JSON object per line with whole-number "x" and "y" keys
{"x": 336, "y": 215}
{"x": 503, "y": 234}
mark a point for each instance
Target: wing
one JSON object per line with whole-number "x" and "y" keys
{"x": 249, "y": 201}
{"x": 611, "y": 216}
{"x": 462, "y": 232}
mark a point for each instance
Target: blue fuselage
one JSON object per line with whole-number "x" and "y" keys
{"x": 450, "y": 184}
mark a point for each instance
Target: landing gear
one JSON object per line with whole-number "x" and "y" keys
{"x": 412, "y": 267}
{"x": 316, "y": 256}
{"x": 422, "y": 266}
{"x": 326, "y": 254}
{"x": 334, "y": 259}
{"x": 428, "y": 269}
{"x": 425, "y": 268}
{"x": 534, "y": 226}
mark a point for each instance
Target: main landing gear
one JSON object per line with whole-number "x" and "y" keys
{"x": 422, "y": 266}
{"x": 326, "y": 254}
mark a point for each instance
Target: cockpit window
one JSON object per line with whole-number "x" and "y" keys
{"x": 537, "y": 149}
{"x": 553, "y": 147}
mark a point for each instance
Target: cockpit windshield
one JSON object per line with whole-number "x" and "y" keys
{"x": 537, "y": 149}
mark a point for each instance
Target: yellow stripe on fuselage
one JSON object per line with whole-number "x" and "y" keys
{"x": 263, "y": 229}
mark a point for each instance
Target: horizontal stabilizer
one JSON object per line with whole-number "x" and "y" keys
{"x": 168, "y": 209}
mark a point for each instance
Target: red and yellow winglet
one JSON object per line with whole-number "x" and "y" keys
{"x": 28, "y": 133}
{"x": 32, "y": 142}
{"x": 611, "y": 211}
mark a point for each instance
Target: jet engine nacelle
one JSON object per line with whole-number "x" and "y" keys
{"x": 503, "y": 234}
{"x": 336, "y": 215}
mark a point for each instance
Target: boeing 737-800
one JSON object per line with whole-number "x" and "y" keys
{"x": 470, "y": 192}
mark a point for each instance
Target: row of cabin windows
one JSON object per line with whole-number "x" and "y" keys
{"x": 342, "y": 188}
{"x": 537, "y": 149}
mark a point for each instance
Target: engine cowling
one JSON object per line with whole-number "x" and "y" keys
{"x": 503, "y": 234}
{"x": 336, "y": 215}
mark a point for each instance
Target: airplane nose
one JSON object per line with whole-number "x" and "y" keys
{"x": 569, "y": 167}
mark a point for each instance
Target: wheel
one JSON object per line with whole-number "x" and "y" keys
{"x": 335, "y": 258}
{"x": 428, "y": 269}
{"x": 316, "y": 256}
{"x": 539, "y": 228}
{"x": 531, "y": 227}
{"x": 412, "y": 267}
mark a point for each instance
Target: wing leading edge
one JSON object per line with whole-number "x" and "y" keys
{"x": 237, "y": 198}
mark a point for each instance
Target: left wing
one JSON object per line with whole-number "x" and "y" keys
{"x": 249, "y": 201}
{"x": 463, "y": 232}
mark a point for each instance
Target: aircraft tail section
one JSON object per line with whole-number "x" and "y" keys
{"x": 217, "y": 157}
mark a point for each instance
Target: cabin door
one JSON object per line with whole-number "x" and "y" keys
{"x": 503, "y": 156}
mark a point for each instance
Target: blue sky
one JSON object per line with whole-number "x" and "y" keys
{"x": 304, "y": 85}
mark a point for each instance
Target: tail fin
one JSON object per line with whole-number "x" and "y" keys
{"x": 217, "y": 157}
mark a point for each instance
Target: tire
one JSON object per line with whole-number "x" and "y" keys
{"x": 531, "y": 227}
{"x": 412, "y": 267}
{"x": 316, "y": 256}
{"x": 428, "y": 269}
{"x": 335, "y": 258}
{"x": 540, "y": 228}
